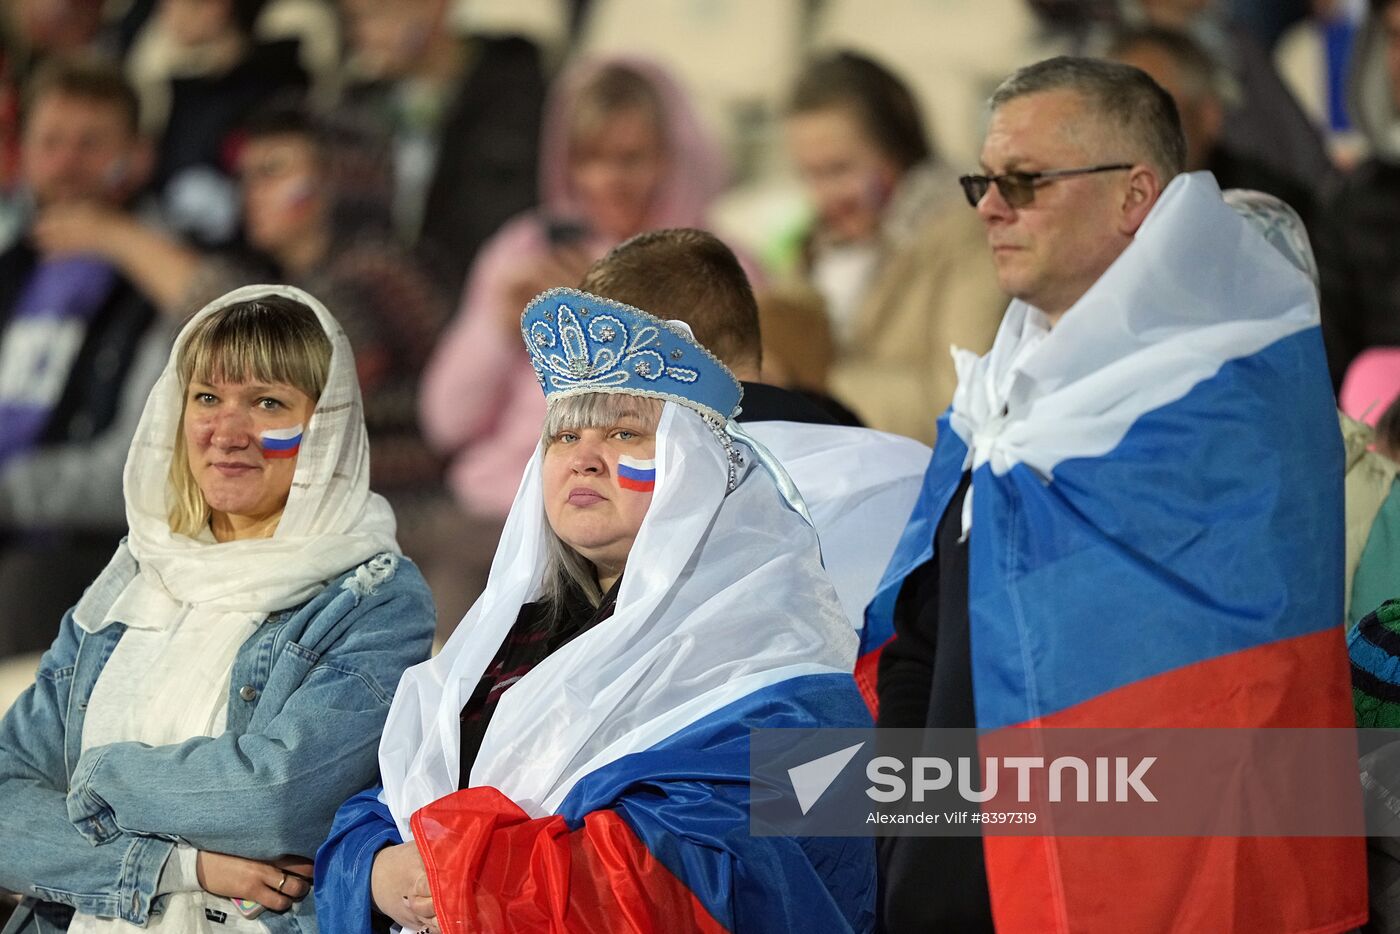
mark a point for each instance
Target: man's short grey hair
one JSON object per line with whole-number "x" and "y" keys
{"x": 1120, "y": 95}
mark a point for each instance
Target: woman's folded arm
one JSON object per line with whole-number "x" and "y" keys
{"x": 270, "y": 791}
{"x": 45, "y": 854}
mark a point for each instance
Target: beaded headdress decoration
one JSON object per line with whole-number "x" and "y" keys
{"x": 582, "y": 343}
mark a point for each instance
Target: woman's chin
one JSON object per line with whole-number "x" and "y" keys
{"x": 602, "y": 552}
{"x": 234, "y": 502}
{"x": 237, "y": 507}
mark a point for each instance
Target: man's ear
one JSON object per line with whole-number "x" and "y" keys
{"x": 1141, "y": 192}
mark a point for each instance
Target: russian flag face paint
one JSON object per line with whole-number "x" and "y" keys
{"x": 636, "y": 475}
{"x": 280, "y": 443}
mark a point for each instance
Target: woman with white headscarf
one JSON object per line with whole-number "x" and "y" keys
{"x": 220, "y": 688}
{"x": 576, "y": 758}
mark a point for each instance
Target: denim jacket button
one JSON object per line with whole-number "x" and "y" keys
{"x": 248, "y": 693}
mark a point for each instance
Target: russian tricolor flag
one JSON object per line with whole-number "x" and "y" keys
{"x": 635, "y": 474}
{"x": 656, "y": 842}
{"x": 280, "y": 443}
{"x": 1156, "y": 541}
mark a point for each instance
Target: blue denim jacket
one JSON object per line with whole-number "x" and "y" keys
{"x": 307, "y": 702}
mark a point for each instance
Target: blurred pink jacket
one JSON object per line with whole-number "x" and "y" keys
{"x": 480, "y": 403}
{"x": 1371, "y": 384}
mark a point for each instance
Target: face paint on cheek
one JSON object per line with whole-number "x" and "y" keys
{"x": 281, "y": 443}
{"x": 636, "y": 475}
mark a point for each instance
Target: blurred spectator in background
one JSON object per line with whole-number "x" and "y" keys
{"x": 315, "y": 197}
{"x": 1313, "y": 58}
{"x": 1388, "y": 432}
{"x": 1264, "y": 122}
{"x": 35, "y": 30}
{"x": 316, "y": 203}
{"x": 736, "y": 59}
{"x": 1184, "y": 68}
{"x": 898, "y": 261}
{"x": 464, "y": 116}
{"x": 31, "y": 32}
{"x": 1267, "y": 20}
{"x": 622, "y": 152}
{"x": 1267, "y": 122}
{"x": 80, "y": 347}
{"x": 1372, "y": 383}
{"x": 1359, "y": 251}
{"x": 200, "y": 72}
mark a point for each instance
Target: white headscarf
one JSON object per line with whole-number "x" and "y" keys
{"x": 331, "y": 523}
{"x": 723, "y": 594}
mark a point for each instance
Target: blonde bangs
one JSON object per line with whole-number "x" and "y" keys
{"x": 599, "y": 410}
{"x": 257, "y": 342}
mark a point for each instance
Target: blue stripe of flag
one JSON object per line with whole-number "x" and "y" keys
{"x": 281, "y": 444}
{"x": 633, "y": 473}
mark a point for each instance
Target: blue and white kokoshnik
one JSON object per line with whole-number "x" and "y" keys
{"x": 581, "y": 343}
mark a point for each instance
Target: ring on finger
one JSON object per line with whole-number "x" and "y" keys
{"x": 281, "y": 883}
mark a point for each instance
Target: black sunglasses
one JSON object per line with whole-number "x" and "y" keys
{"x": 1018, "y": 188}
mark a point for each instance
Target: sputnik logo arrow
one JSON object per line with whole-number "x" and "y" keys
{"x": 811, "y": 779}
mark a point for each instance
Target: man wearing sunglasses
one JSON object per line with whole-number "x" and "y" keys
{"x": 1069, "y": 177}
{"x": 1111, "y": 534}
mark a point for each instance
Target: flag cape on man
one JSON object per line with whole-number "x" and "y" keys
{"x": 1156, "y": 540}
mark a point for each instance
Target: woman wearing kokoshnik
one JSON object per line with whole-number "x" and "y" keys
{"x": 576, "y": 758}
{"x": 221, "y": 686}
